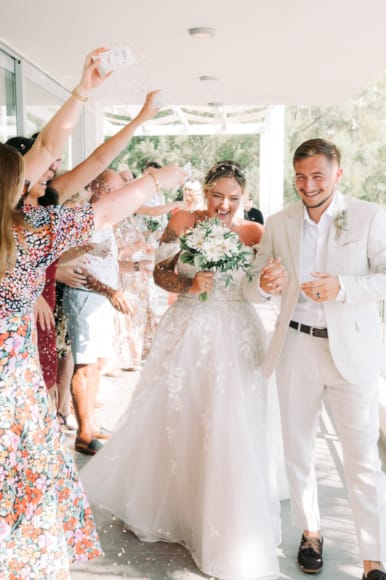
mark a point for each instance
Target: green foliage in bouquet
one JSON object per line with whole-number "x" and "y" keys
{"x": 212, "y": 246}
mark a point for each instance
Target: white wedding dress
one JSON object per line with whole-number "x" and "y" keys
{"x": 191, "y": 460}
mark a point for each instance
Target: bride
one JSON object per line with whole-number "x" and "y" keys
{"x": 190, "y": 461}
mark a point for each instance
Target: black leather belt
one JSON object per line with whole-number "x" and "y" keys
{"x": 319, "y": 332}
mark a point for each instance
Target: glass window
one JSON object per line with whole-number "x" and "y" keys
{"x": 7, "y": 97}
{"x": 41, "y": 103}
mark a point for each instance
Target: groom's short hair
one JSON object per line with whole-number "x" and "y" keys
{"x": 317, "y": 147}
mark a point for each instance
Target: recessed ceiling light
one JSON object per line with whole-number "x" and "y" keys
{"x": 208, "y": 78}
{"x": 202, "y": 32}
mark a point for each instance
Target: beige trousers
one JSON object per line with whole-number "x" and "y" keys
{"x": 306, "y": 373}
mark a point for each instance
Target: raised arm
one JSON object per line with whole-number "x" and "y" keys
{"x": 157, "y": 210}
{"x": 52, "y": 138}
{"x": 118, "y": 205}
{"x": 72, "y": 181}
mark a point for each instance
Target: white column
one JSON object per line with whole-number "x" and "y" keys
{"x": 382, "y": 409}
{"x": 272, "y": 162}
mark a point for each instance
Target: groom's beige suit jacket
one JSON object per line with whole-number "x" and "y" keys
{"x": 357, "y": 253}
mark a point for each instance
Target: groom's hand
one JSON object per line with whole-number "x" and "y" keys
{"x": 326, "y": 287}
{"x": 273, "y": 277}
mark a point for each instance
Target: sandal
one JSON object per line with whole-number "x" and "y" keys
{"x": 87, "y": 448}
{"x": 64, "y": 423}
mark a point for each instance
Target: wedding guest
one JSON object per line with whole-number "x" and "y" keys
{"x": 51, "y": 189}
{"x": 46, "y": 520}
{"x": 192, "y": 195}
{"x": 174, "y": 470}
{"x": 152, "y": 220}
{"x": 328, "y": 343}
{"x": 68, "y": 273}
{"x": 127, "y": 175}
{"x": 253, "y": 213}
{"x": 89, "y": 310}
{"x": 45, "y": 303}
{"x": 133, "y": 331}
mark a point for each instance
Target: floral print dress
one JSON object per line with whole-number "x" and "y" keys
{"x": 45, "y": 519}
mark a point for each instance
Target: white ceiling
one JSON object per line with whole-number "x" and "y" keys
{"x": 265, "y": 52}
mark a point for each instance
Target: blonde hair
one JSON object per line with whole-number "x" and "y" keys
{"x": 11, "y": 179}
{"x": 226, "y": 168}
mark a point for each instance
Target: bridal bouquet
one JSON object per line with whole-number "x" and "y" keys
{"x": 210, "y": 245}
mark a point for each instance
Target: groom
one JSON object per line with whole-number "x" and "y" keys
{"x": 326, "y": 255}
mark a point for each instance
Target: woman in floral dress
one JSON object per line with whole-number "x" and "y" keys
{"x": 45, "y": 518}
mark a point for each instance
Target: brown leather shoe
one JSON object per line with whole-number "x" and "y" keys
{"x": 310, "y": 555}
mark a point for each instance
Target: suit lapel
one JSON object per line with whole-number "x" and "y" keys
{"x": 294, "y": 225}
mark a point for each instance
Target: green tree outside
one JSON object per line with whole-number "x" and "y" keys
{"x": 358, "y": 127}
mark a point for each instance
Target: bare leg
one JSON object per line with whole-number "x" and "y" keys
{"x": 85, "y": 384}
{"x": 65, "y": 372}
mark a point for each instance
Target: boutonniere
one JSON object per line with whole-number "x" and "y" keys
{"x": 340, "y": 223}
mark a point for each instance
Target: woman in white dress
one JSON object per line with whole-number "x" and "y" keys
{"x": 190, "y": 460}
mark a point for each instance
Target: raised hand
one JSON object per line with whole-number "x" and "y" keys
{"x": 90, "y": 75}
{"x": 170, "y": 176}
{"x": 149, "y": 108}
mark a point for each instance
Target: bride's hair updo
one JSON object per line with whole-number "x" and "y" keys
{"x": 225, "y": 168}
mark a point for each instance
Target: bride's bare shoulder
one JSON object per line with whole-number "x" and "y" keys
{"x": 250, "y": 232}
{"x": 180, "y": 221}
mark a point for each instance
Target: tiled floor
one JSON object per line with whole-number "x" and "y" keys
{"x": 127, "y": 557}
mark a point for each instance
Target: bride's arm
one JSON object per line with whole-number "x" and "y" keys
{"x": 165, "y": 274}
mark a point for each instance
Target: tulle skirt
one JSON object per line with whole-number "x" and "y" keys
{"x": 193, "y": 460}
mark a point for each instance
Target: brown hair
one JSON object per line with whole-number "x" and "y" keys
{"x": 11, "y": 179}
{"x": 317, "y": 147}
{"x": 225, "y": 168}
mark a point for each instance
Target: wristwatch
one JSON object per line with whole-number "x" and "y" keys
{"x": 136, "y": 266}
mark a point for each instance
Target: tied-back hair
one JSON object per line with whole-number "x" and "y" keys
{"x": 50, "y": 197}
{"x": 314, "y": 147}
{"x": 226, "y": 168}
{"x": 11, "y": 179}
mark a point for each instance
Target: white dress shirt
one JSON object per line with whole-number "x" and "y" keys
{"x": 314, "y": 247}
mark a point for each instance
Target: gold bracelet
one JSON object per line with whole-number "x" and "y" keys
{"x": 156, "y": 181}
{"x": 78, "y": 96}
